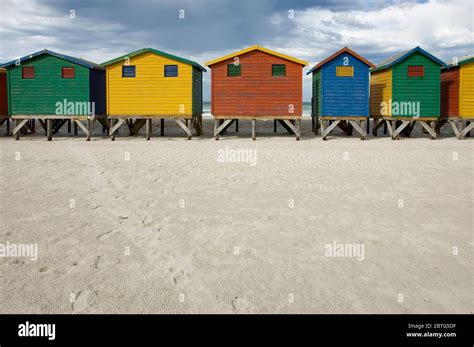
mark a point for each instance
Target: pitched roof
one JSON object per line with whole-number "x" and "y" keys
{"x": 154, "y": 51}
{"x": 256, "y": 48}
{"x": 339, "y": 52}
{"x": 461, "y": 61}
{"x": 389, "y": 62}
{"x": 74, "y": 60}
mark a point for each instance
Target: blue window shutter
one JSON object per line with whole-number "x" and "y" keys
{"x": 128, "y": 71}
{"x": 171, "y": 70}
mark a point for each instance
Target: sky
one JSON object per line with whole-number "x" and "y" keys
{"x": 203, "y": 30}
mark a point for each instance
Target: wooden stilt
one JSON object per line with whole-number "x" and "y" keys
{"x": 148, "y": 129}
{"x": 236, "y": 125}
{"x": 75, "y": 129}
{"x": 323, "y": 124}
{"x": 17, "y": 132}
{"x": 8, "y": 127}
{"x": 49, "y": 124}
{"x": 216, "y": 126}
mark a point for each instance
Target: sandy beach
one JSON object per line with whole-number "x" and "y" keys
{"x": 164, "y": 226}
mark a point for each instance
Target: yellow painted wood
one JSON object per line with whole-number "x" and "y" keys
{"x": 466, "y": 90}
{"x": 149, "y": 92}
{"x": 344, "y": 71}
{"x": 259, "y": 48}
{"x": 380, "y": 91}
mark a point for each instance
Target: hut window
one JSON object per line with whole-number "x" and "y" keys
{"x": 416, "y": 71}
{"x": 344, "y": 71}
{"x": 278, "y": 70}
{"x": 28, "y": 72}
{"x": 171, "y": 70}
{"x": 68, "y": 72}
{"x": 233, "y": 70}
{"x": 128, "y": 71}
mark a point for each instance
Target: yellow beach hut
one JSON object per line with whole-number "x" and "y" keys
{"x": 149, "y": 84}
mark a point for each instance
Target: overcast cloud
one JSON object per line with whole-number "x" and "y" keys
{"x": 102, "y": 30}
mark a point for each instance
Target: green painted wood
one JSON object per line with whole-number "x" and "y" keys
{"x": 425, "y": 90}
{"x": 39, "y": 96}
{"x": 197, "y": 91}
{"x": 316, "y": 106}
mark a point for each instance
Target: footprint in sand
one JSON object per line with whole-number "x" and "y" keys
{"x": 147, "y": 220}
{"x": 106, "y": 235}
{"x": 102, "y": 262}
{"x": 241, "y": 305}
{"x": 80, "y": 304}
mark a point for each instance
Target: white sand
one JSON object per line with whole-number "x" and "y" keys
{"x": 182, "y": 259}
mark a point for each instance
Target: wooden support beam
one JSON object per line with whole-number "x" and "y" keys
{"x": 49, "y": 132}
{"x": 294, "y": 127}
{"x": 329, "y": 129}
{"x": 323, "y": 128}
{"x": 218, "y": 128}
{"x": 184, "y": 127}
{"x": 429, "y": 129}
{"x": 396, "y": 131}
{"x": 378, "y": 123}
{"x": 469, "y": 126}
{"x": 254, "y": 136}
{"x": 114, "y": 126}
{"x": 148, "y": 129}
{"x": 455, "y": 128}
{"x": 359, "y": 129}
{"x": 18, "y": 125}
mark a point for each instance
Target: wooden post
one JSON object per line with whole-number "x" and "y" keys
{"x": 148, "y": 128}
{"x": 216, "y": 125}
{"x": 162, "y": 127}
{"x": 49, "y": 124}
{"x": 17, "y": 134}
{"x": 88, "y": 130}
{"x": 253, "y": 129}
{"x": 275, "y": 126}
{"x": 312, "y": 124}
{"x": 68, "y": 126}
{"x": 321, "y": 121}
{"x": 236, "y": 125}
{"x": 8, "y": 126}
{"x": 298, "y": 127}
{"x": 112, "y": 123}
{"x": 75, "y": 128}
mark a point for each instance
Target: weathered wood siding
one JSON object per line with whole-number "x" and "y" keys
{"x": 149, "y": 92}
{"x": 425, "y": 90}
{"x": 466, "y": 96}
{"x": 345, "y": 96}
{"x": 316, "y": 99}
{"x": 256, "y": 92}
{"x": 39, "y": 96}
{"x": 380, "y": 91}
{"x": 450, "y": 92}
{"x": 197, "y": 91}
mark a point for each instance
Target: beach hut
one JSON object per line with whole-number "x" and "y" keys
{"x": 4, "y": 119}
{"x": 256, "y": 84}
{"x": 405, "y": 89}
{"x": 457, "y": 95}
{"x": 341, "y": 92}
{"x": 55, "y": 88}
{"x": 149, "y": 84}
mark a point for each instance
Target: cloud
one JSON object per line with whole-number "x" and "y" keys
{"x": 102, "y": 30}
